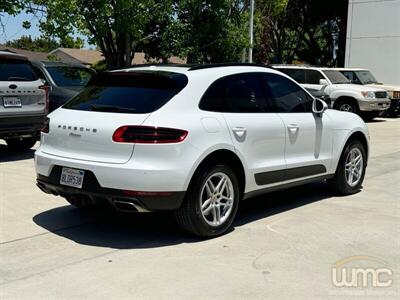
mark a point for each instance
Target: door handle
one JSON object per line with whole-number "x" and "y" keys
{"x": 293, "y": 128}
{"x": 239, "y": 131}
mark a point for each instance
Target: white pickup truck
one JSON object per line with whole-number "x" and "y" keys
{"x": 366, "y": 101}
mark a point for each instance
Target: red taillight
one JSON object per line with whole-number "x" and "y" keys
{"x": 46, "y": 89}
{"x": 148, "y": 135}
{"x": 46, "y": 126}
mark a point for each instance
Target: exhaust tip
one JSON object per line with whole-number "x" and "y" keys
{"x": 125, "y": 205}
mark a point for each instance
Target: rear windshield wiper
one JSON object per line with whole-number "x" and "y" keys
{"x": 111, "y": 108}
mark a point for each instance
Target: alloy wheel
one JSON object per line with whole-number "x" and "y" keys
{"x": 216, "y": 199}
{"x": 346, "y": 107}
{"x": 354, "y": 167}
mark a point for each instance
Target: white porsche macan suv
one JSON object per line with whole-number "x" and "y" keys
{"x": 196, "y": 140}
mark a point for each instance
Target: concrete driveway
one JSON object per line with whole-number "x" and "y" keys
{"x": 285, "y": 245}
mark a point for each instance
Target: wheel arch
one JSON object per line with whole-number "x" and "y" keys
{"x": 342, "y": 99}
{"x": 227, "y": 157}
{"x": 356, "y": 135}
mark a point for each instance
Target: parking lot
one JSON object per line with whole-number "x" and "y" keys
{"x": 283, "y": 246}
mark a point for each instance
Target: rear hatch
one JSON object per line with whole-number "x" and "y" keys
{"x": 83, "y": 128}
{"x": 21, "y": 91}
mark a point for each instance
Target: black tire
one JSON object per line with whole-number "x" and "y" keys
{"x": 338, "y": 183}
{"x": 347, "y": 105}
{"x": 189, "y": 215}
{"x": 369, "y": 116}
{"x": 21, "y": 144}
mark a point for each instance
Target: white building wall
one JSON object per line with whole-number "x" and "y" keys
{"x": 373, "y": 38}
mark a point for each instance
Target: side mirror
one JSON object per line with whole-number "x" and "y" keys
{"x": 319, "y": 106}
{"x": 323, "y": 82}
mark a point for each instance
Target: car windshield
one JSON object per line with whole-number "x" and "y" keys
{"x": 70, "y": 76}
{"x": 366, "y": 77}
{"x": 336, "y": 77}
{"x": 14, "y": 70}
{"x": 128, "y": 92}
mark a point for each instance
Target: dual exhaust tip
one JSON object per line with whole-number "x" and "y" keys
{"x": 120, "y": 204}
{"x": 127, "y": 205}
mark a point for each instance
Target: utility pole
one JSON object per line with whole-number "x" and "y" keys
{"x": 251, "y": 29}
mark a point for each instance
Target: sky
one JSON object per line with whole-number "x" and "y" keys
{"x": 13, "y": 27}
{"x": 14, "y": 30}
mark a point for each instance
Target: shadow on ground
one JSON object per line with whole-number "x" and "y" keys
{"x": 7, "y": 155}
{"x": 128, "y": 231}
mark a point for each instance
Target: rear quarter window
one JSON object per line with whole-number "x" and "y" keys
{"x": 16, "y": 70}
{"x": 128, "y": 92}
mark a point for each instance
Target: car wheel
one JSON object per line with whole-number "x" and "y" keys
{"x": 350, "y": 172}
{"x": 21, "y": 144}
{"x": 348, "y": 106}
{"x": 211, "y": 202}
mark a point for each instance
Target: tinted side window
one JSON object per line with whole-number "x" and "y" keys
{"x": 296, "y": 74}
{"x": 239, "y": 93}
{"x": 39, "y": 72}
{"x": 287, "y": 96}
{"x": 313, "y": 76}
{"x": 244, "y": 93}
{"x": 15, "y": 70}
{"x": 214, "y": 98}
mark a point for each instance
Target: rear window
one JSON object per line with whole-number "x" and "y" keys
{"x": 70, "y": 76}
{"x": 128, "y": 92}
{"x": 16, "y": 70}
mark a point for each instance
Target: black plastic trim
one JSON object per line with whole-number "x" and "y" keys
{"x": 219, "y": 65}
{"x": 286, "y": 186}
{"x": 92, "y": 189}
{"x": 288, "y": 174}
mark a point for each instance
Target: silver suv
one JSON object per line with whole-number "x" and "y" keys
{"x": 23, "y": 102}
{"x": 365, "y": 101}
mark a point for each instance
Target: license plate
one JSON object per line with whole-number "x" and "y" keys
{"x": 72, "y": 177}
{"x": 12, "y": 102}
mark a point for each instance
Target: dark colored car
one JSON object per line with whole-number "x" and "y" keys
{"x": 65, "y": 79}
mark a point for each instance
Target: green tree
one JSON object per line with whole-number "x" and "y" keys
{"x": 306, "y": 30}
{"x": 117, "y": 27}
{"x": 43, "y": 44}
{"x": 211, "y": 30}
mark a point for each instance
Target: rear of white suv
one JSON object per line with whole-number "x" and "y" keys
{"x": 196, "y": 140}
{"x": 23, "y": 102}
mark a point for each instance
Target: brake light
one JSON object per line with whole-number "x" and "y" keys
{"x": 148, "y": 135}
{"x": 46, "y": 126}
{"x": 46, "y": 89}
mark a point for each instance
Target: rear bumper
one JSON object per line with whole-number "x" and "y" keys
{"x": 17, "y": 126}
{"x": 93, "y": 192}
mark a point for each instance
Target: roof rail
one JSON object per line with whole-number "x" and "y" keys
{"x": 193, "y": 67}
{"x": 159, "y": 64}
{"x": 219, "y": 65}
